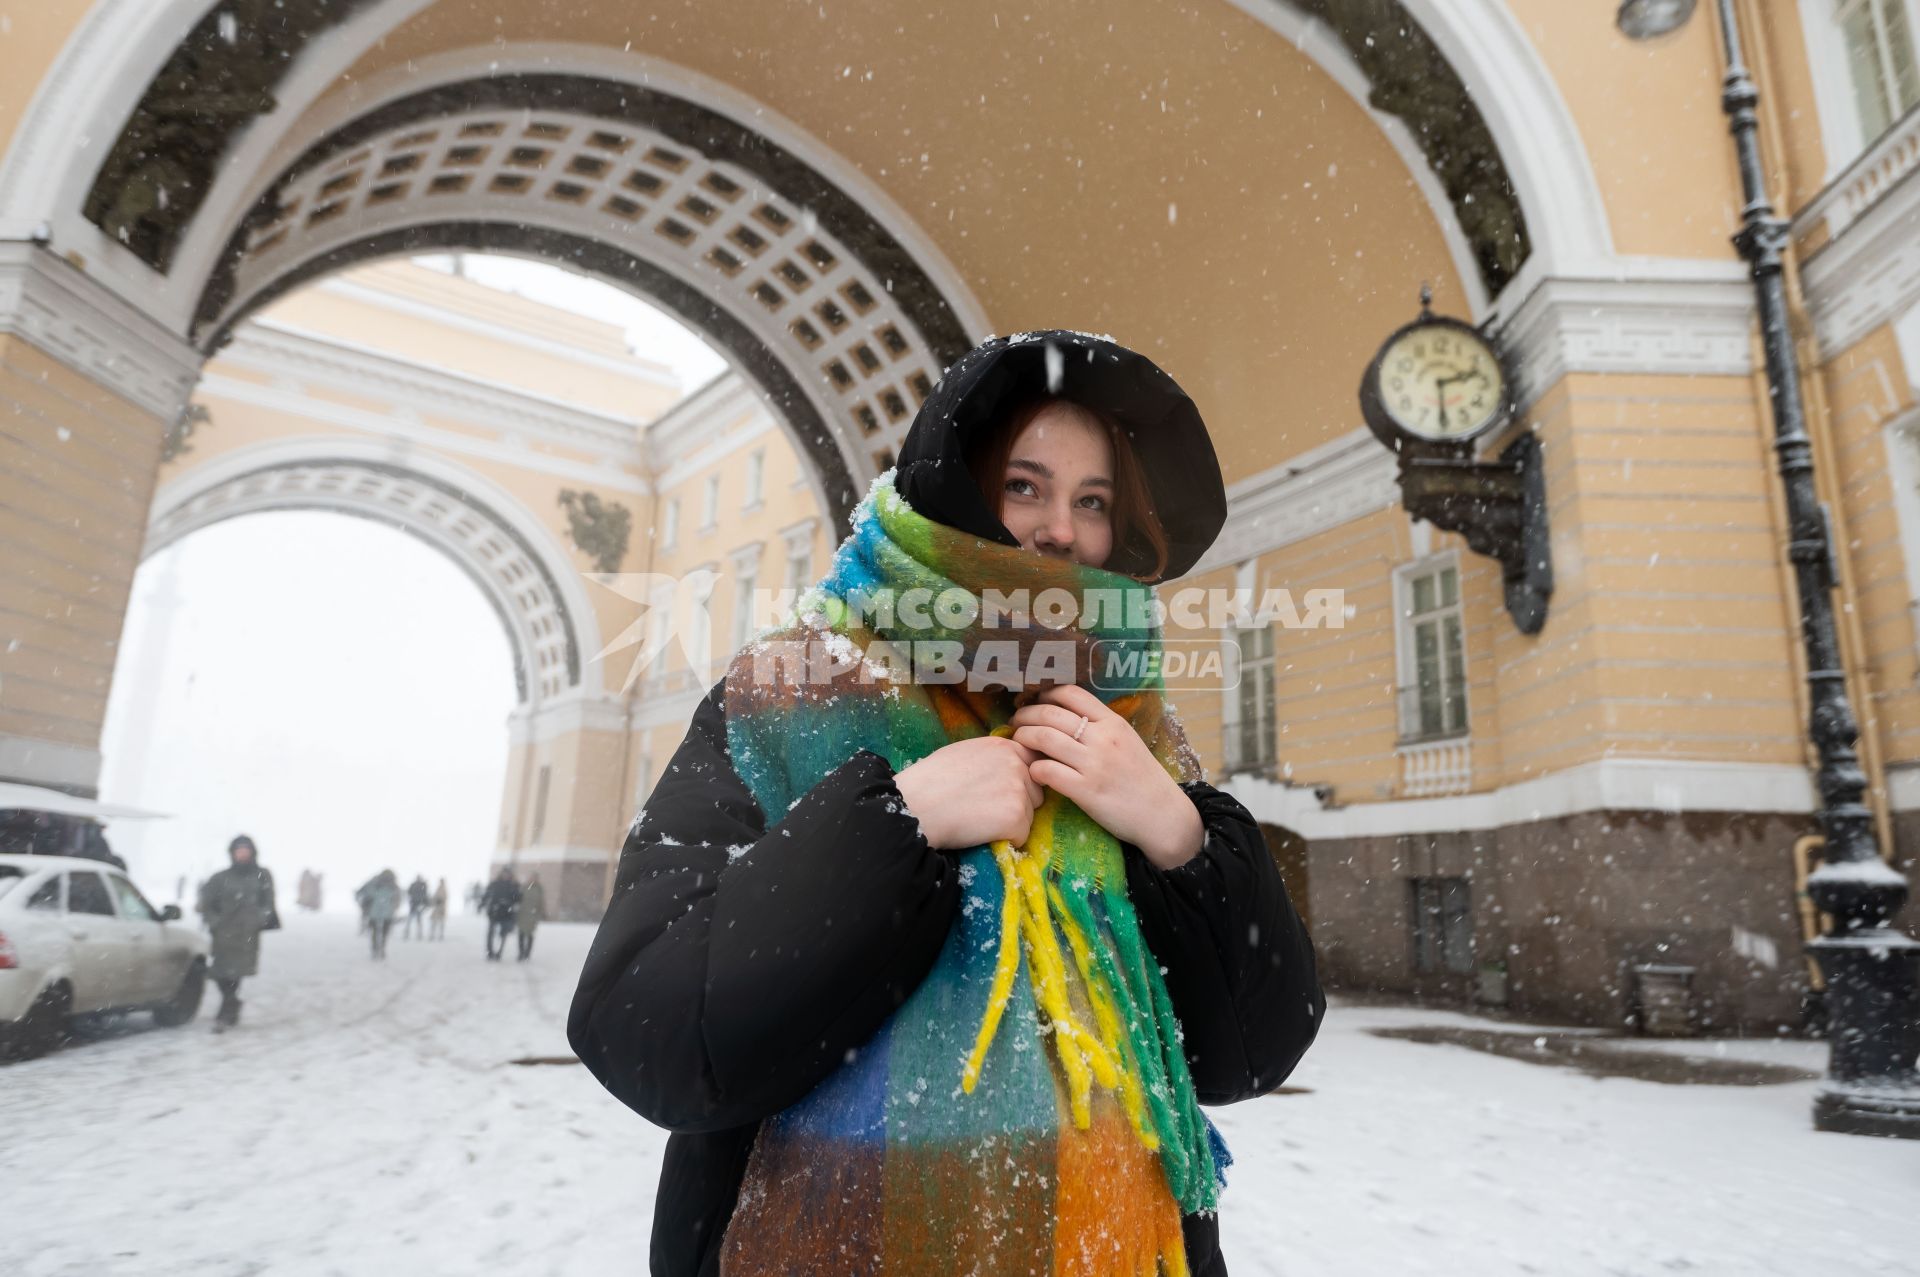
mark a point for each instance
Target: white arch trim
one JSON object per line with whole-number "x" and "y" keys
{"x": 177, "y": 495}
{"x": 83, "y": 102}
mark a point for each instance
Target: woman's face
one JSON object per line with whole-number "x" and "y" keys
{"x": 1057, "y": 494}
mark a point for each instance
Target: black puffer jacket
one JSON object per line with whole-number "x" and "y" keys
{"x": 717, "y": 992}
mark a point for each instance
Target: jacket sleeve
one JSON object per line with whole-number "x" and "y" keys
{"x": 1238, "y": 961}
{"x": 738, "y": 963}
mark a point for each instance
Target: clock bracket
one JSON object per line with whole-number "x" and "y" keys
{"x": 1499, "y": 506}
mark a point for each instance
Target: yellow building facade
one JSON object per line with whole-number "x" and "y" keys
{"x": 1252, "y": 191}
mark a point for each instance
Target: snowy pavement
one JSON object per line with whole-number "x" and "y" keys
{"x": 368, "y": 1118}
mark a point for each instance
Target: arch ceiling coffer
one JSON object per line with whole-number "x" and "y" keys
{"x": 521, "y": 588}
{"x": 226, "y": 71}
{"x": 711, "y": 229}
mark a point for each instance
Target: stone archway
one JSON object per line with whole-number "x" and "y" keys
{"x": 839, "y": 309}
{"x": 819, "y": 305}
{"x": 523, "y": 573}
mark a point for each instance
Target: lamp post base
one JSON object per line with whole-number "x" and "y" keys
{"x": 1890, "y": 1108}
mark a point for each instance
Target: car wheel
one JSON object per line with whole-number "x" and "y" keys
{"x": 185, "y": 1004}
{"x": 44, "y": 1026}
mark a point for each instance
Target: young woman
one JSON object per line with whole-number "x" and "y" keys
{"x": 929, "y": 976}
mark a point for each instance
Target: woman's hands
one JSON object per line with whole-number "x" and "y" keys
{"x": 1110, "y": 773}
{"x": 973, "y": 792}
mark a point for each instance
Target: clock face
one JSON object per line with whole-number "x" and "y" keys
{"x": 1441, "y": 382}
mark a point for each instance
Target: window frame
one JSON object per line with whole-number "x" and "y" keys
{"x": 1265, "y": 718}
{"x": 106, "y": 893}
{"x": 1406, "y": 650}
{"x": 670, "y": 524}
{"x": 1437, "y": 956}
{"x": 1843, "y": 132}
{"x": 756, "y": 481}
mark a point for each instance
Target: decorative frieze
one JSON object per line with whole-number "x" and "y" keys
{"x": 57, "y": 309}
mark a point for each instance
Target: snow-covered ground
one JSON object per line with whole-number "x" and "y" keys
{"x": 368, "y": 1118}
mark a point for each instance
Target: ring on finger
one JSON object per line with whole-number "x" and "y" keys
{"x": 1082, "y": 728}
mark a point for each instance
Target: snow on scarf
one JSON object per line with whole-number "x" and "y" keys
{"x": 1028, "y": 1108}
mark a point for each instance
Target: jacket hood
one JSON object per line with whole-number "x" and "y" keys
{"x": 1000, "y": 374}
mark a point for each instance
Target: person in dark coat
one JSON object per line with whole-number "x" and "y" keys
{"x": 237, "y": 905}
{"x": 500, "y": 902}
{"x": 419, "y": 897}
{"x": 381, "y": 905}
{"x": 854, "y": 888}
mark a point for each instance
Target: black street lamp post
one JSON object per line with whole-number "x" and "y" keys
{"x": 1872, "y": 971}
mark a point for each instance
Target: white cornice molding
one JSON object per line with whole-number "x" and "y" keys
{"x": 1322, "y": 488}
{"x": 281, "y": 351}
{"x": 1611, "y": 784}
{"x": 799, "y": 534}
{"x": 1870, "y": 273}
{"x": 1677, "y": 318}
{"x": 286, "y": 396}
{"x": 1691, "y": 321}
{"x": 674, "y": 707}
{"x": 59, "y": 310}
{"x": 713, "y": 452}
{"x": 677, "y": 432}
{"x": 635, "y": 368}
{"x": 745, "y": 560}
{"x": 567, "y": 716}
{"x": 30, "y": 760}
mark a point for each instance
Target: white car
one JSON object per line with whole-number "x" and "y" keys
{"x": 76, "y": 938}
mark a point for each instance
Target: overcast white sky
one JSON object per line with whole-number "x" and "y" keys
{"x": 327, "y": 684}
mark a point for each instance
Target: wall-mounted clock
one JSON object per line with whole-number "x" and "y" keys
{"x": 1435, "y": 387}
{"x": 1435, "y": 381}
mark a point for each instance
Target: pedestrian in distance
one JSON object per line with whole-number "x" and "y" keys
{"x": 930, "y": 977}
{"x": 237, "y": 905}
{"x": 531, "y": 912}
{"x": 438, "y": 930}
{"x": 499, "y": 902}
{"x": 361, "y": 896}
{"x": 418, "y": 898}
{"x": 383, "y": 906}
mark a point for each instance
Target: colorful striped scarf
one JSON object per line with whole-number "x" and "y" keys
{"x": 1028, "y": 1108}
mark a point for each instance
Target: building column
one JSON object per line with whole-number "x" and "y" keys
{"x": 563, "y": 813}
{"x": 89, "y": 386}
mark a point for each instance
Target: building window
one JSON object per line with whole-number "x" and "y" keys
{"x": 710, "y": 504}
{"x": 1442, "y": 917}
{"x": 1250, "y": 733}
{"x": 756, "y": 478}
{"x": 743, "y": 583}
{"x": 1433, "y": 665}
{"x": 1878, "y": 35}
{"x": 799, "y": 565}
{"x": 670, "y": 524}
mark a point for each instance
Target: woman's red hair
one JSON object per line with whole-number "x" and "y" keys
{"x": 1134, "y": 521}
